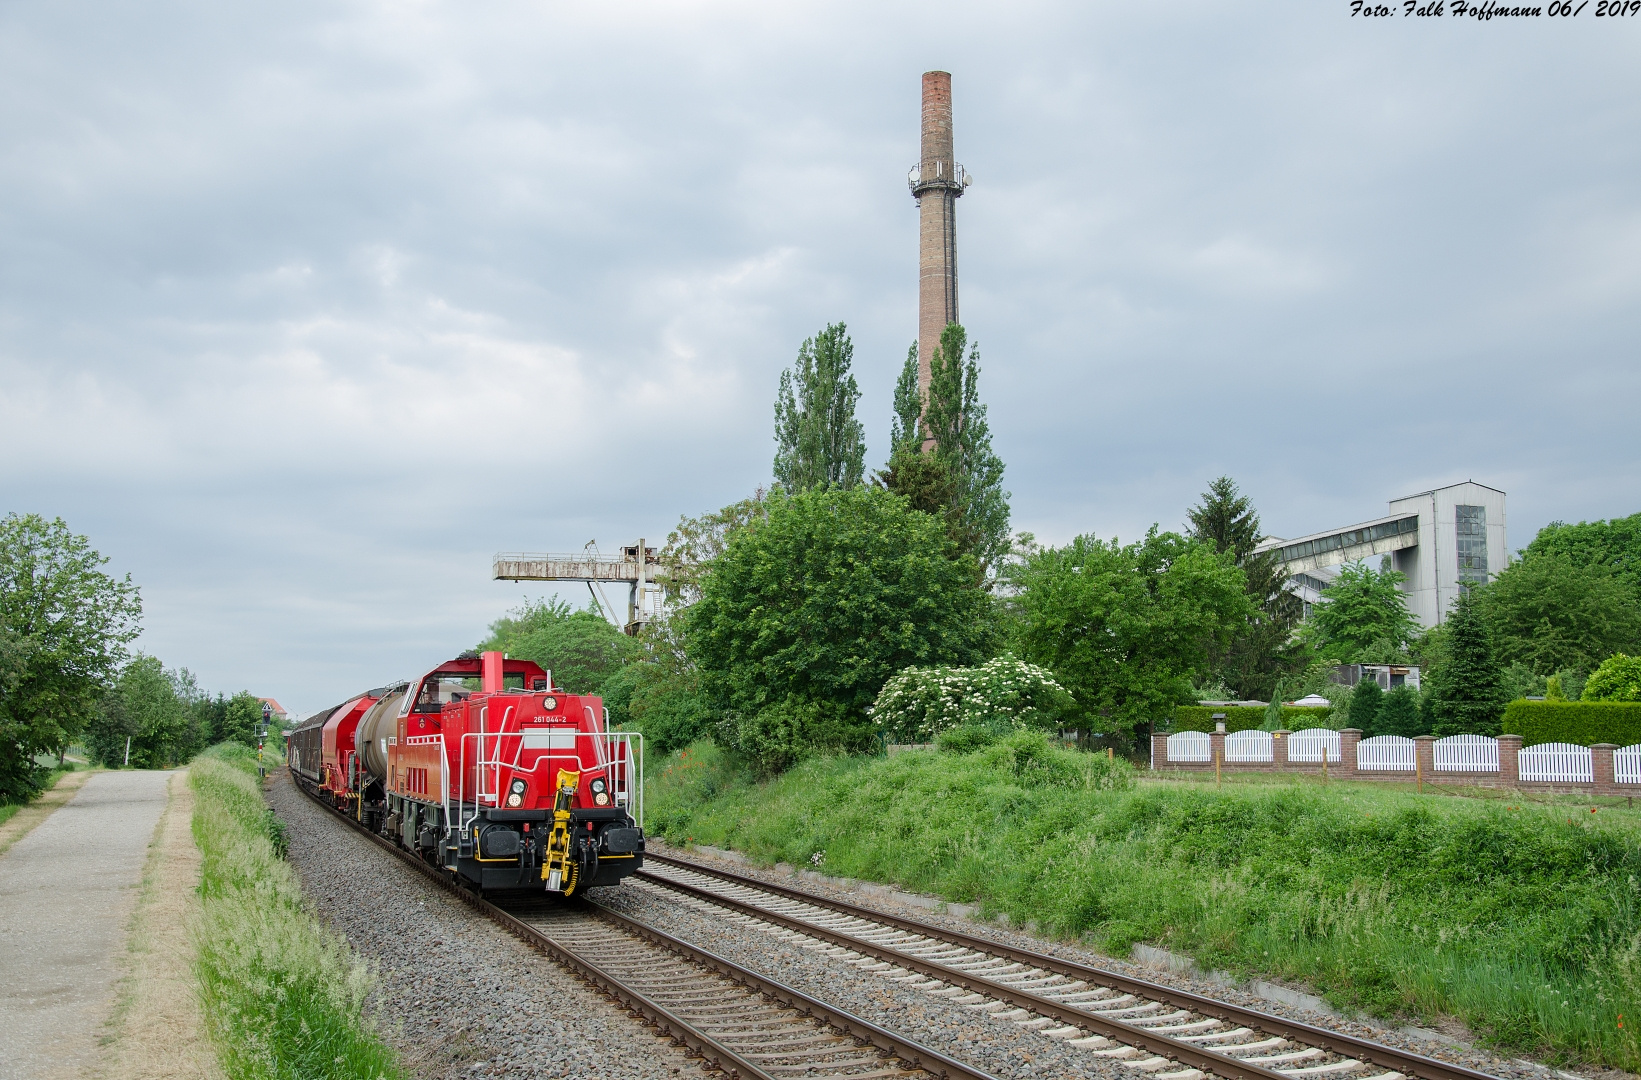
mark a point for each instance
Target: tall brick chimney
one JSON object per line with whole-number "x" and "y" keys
{"x": 936, "y": 183}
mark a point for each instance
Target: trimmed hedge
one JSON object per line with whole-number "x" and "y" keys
{"x": 1244, "y": 717}
{"x": 1582, "y": 723}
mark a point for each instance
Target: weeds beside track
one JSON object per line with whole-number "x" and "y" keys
{"x": 284, "y": 998}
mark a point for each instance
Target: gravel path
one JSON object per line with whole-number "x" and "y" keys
{"x": 459, "y": 996}
{"x": 66, "y": 893}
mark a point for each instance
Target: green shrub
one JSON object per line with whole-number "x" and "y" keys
{"x": 919, "y": 703}
{"x": 283, "y": 997}
{"x": 777, "y": 737}
{"x": 1246, "y": 717}
{"x": 967, "y": 738}
{"x": 1582, "y": 723}
{"x": 1617, "y": 679}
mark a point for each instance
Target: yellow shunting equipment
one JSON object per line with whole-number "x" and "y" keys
{"x": 557, "y": 869}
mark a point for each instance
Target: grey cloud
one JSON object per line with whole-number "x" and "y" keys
{"x": 305, "y": 310}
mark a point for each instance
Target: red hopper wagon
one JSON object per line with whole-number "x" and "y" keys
{"x": 485, "y": 768}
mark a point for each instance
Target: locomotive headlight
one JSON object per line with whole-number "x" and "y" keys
{"x": 515, "y": 794}
{"x": 550, "y": 703}
{"x": 600, "y": 790}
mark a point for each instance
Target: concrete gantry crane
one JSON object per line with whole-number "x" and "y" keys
{"x": 636, "y": 566}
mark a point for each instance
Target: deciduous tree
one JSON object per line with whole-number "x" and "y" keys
{"x": 960, "y": 471}
{"x": 1362, "y": 610}
{"x": 67, "y": 625}
{"x": 148, "y": 706}
{"x": 1126, "y": 628}
{"x": 580, "y": 647}
{"x": 807, "y": 613}
{"x": 818, "y": 441}
{"x": 1553, "y": 614}
{"x": 1614, "y": 544}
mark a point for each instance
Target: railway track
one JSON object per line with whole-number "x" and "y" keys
{"x": 1168, "y": 1033}
{"x": 743, "y": 1023}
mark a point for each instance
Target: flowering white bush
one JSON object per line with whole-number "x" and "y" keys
{"x": 919, "y": 703}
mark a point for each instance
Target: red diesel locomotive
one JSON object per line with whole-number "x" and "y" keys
{"x": 485, "y": 768}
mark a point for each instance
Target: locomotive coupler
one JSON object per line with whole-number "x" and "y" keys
{"x": 558, "y": 869}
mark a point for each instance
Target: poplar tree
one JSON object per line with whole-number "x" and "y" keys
{"x": 959, "y": 478}
{"x": 818, "y": 441}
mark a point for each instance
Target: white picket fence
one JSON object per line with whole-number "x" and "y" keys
{"x": 1627, "y": 765}
{"x": 1190, "y": 747}
{"x": 1385, "y": 753}
{"x": 1312, "y": 744}
{"x": 1466, "y": 753}
{"x": 1557, "y": 761}
{"x": 1249, "y": 746}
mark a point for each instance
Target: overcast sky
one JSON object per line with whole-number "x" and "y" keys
{"x": 307, "y": 309}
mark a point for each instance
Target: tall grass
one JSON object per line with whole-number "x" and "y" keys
{"x": 283, "y": 996}
{"x": 1523, "y": 921}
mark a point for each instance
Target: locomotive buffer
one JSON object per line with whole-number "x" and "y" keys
{"x": 638, "y": 573}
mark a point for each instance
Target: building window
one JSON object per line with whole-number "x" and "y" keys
{"x": 1470, "y": 523}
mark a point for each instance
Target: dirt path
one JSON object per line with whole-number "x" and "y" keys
{"x": 156, "y": 1032}
{"x": 66, "y": 894}
{"x": 37, "y": 811}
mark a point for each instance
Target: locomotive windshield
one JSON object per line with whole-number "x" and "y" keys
{"x": 439, "y": 689}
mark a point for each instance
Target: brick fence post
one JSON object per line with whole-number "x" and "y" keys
{"x": 1601, "y": 768}
{"x": 1424, "y": 757}
{"x": 1159, "y": 750}
{"x": 1216, "y": 747}
{"x": 1348, "y": 738}
{"x": 1279, "y": 749}
{"x": 1510, "y": 759}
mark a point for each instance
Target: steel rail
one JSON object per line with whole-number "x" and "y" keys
{"x": 1403, "y": 1061}
{"x": 725, "y": 1058}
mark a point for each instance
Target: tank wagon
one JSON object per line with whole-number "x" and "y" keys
{"x": 485, "y": 768}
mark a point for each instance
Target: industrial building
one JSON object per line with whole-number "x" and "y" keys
{"x": 1442, "y": 540}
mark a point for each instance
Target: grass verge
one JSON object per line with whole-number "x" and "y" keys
{"x": 283, "y": 996}
{"x": 1523, "y": 921}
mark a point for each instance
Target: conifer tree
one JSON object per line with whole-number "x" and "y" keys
{"x": 1366, "y": 702}
{"x": 818, "y": 441}
{"x": 1466, "y": 691}
{"x": 1262, "y": 653}
{"x": 1399, "y": 714}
